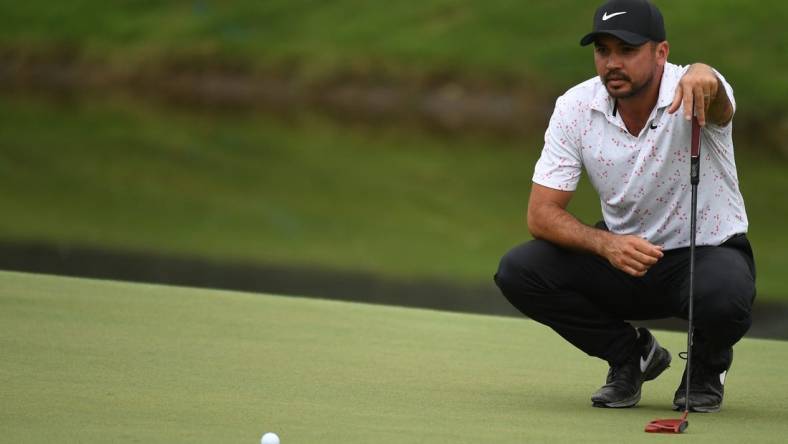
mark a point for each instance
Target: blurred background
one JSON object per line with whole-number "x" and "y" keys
{"x": 362, "y": 150}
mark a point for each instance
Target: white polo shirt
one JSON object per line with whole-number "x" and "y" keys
{"x": 643, "y": 181}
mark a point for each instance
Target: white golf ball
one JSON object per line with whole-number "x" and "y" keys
{"x": 270, "y": 438}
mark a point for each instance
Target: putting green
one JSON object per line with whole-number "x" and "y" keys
{"x": 97, "y": 361}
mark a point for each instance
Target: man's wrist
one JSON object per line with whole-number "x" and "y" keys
{"x": 600, "y": 240}
{"x": 721, "y": 107}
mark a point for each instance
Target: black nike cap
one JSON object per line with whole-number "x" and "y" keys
{"x": 633, "y": 21}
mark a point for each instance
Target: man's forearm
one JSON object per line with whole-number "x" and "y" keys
{"x": 721, "y": 108}
{"x": 555, "y": 224}
{"x": 549, "y": 220}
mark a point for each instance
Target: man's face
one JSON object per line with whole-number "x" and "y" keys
{"x": 627, "y": 70}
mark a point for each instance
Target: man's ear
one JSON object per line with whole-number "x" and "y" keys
{"x": 662, "y": 50}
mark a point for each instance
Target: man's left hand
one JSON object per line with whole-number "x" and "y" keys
{"x": 697, "y": 90}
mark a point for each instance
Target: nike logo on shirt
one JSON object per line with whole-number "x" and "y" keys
{"x": 606, "y": 16}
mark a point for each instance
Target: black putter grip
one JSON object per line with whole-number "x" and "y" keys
{"x": 695, "y": 153}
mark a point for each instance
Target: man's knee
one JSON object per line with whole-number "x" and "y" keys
{"x": 726, "y": 299}
{"x": 523, "y": 266}
{"x": 725, "y": 288}
{"x": 723, "y": 313}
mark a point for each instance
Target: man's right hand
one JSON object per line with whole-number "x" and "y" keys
{"x": 631, "y": 254}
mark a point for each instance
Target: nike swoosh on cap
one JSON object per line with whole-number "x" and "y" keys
{"x": 606, "y": 16}
{"x": 644, "y": 362}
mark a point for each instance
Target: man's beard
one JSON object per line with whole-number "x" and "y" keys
{"x": 635, "y": 90}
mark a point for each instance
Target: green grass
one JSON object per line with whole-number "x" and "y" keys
{"x": 97, "y": 361}
{"x": 248, "y": 188}
{"x": 536, "y": 42}
{"x": 305, "y": 192}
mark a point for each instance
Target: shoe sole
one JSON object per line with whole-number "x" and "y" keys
{"x": 699, "y": 409}
{"x": 651, "y": 373}
{"x": 624, "y": 403}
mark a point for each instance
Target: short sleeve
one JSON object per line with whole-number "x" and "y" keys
{"x": 560, "y": 165}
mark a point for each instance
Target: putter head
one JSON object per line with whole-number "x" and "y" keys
{"x": 668, "y": 425}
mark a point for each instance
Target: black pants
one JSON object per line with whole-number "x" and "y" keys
{"x": 588, "y": 302}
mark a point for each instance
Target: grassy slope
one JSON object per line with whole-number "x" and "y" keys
{"x": 93, "y": 361}
{"x": 248, "y": 188}
{"x": 244, "y": 187}
{"x": 537, "y": 40}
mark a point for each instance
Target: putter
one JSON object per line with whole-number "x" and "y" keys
{"x": 680, "y": 425}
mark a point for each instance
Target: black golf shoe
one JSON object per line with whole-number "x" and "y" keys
{"x": 707, "y": 387}
{"x": 622, "y": 388}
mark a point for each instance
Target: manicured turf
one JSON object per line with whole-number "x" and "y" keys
{"x": 94, "y": 361}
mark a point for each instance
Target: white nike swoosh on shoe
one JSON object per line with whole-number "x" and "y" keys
{"x": 645, "y": 362}
{"x": 606, "y": 16}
